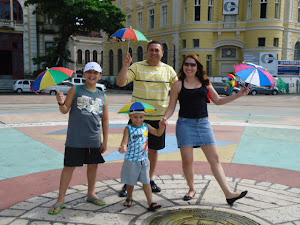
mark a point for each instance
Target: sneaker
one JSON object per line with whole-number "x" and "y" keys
{"x": 154, "y": 187}
{"x": 123, "y": 192}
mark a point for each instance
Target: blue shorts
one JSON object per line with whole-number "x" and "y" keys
{"x": 194, "y": 132}
{"x": 134, "y": 171}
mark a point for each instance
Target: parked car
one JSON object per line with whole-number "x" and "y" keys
{"x": 220, "y": 88}
{"x": 64, "y": 86}
{"x": 264, "y": 90}
{"x": 23, "y": 85}
{"x": 106, "y": 83}
{"x": 81, "y": 80}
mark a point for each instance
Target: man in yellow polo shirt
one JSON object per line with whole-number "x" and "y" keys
{"x": 152, "y": 80}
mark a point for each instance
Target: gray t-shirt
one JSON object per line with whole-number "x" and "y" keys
{"x": 84, "y": 129}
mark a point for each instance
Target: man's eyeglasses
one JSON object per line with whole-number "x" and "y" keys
{"x": 190, "y": 64}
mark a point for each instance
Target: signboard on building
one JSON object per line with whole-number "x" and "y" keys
{"x": 289, "y": 68}
{"x": 252, "y": 57}
{"x": 231, "y": 7}
{"x": 268, "y": 60}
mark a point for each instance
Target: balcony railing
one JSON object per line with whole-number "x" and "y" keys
{"x": 10, "y": 23}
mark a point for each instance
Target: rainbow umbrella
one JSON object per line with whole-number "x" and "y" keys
{"x": 129, "y": 33}
{"x": 254, "y": 74}
{"x": 232, "y": 79}
{"x": 231, "y": 76}
{"x": 51, "y": 77}
{"x": 137, "y": 106}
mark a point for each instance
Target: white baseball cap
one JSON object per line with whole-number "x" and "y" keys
{"x": 92, "y": 66}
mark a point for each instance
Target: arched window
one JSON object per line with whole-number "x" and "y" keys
{"x": 101, "y": 60}
{"x": 130, "y": 52}
{"x": 298, "y": 11}
{"x": 79, "y": 56}
{"x": 120, "y": 59}
{"x": 111, "y": 62}
{"x": 18, "y": 12}
{"x": 165, "y": 57}
{"x": 5, "y": 10}
{"x": 87, "y": 56}
{"x": 297, "y": 51}
{"x": 95, "y": 56}
{"x": 140, "y": 54}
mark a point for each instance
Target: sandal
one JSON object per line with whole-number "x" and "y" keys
{"x": 55, "y": 207}
{"x": 94, "y": 200}
{"x": 154, "y": 206}
{"x": 129, "y": 202}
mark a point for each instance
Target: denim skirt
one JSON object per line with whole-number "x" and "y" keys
{"x": 194, "y": 132}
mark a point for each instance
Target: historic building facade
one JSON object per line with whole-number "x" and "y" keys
{"x": 24, "y": 35}
{"x": 18, "y": 39}
{"x": 221, "y": 32}
{"x": 84, "y": 48}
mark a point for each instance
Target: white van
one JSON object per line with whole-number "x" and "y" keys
{"x": 24, "y": 85}
{"x": 80, "y": 81}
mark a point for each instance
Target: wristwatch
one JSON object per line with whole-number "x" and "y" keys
{"x": 60, "y": 104}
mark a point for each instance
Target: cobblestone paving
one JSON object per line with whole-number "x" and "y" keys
{"x": 266, "y": 203}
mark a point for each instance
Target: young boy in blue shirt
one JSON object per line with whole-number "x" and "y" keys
{"x": 136, "y": 163}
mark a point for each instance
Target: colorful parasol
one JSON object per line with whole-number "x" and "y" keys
{"x": 231, "y": 79}
{"x": 51, "y": 77}
{"x": 129, "y": 33}
{"x": 254, "y": 74}
{"x": 137, "y": 106}
{"x": 231, "y": 76}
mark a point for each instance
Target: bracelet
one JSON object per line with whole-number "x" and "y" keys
{"x": 61, "y": 104}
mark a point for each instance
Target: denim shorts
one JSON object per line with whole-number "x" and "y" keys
{"x": 194, "y": 132}
{"x": 134, "y": 171}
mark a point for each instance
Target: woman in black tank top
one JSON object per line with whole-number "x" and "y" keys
{"x": 193, "y": 128}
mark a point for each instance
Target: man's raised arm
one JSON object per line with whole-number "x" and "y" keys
{"x": 124, "y": 71}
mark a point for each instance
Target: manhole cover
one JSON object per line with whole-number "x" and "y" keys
{"x": 197, "y": 217}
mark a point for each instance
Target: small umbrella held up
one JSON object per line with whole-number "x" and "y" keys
{"x": 130, "y": 34}
{"x": 231, "y": 83}
{"x": 51, "y": 77}
{"x": 137, "y": 106}
{"x": 254, "y": 74}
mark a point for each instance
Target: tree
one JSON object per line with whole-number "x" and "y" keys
{"x": 73, "y": 17}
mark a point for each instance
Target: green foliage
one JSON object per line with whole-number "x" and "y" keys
{"x": 73, "y": 17}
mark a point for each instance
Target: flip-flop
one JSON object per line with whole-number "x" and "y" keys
{"x": 154, "y": 206}
{"x": 94, "y": 200}
{"x": 55, "y": 207}
{"x": 129, "y": 201}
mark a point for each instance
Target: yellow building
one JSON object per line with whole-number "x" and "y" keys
{"x": 221, "y": 32}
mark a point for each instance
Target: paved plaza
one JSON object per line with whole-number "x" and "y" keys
{"x": 259, "y": 146}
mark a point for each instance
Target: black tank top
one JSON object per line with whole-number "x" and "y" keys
{"x": 193, "y": 102}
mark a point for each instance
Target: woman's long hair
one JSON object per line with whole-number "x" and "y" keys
{"x": 201, "y": 73}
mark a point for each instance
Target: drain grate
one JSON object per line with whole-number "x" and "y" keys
{"x": 197, "y": 217}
